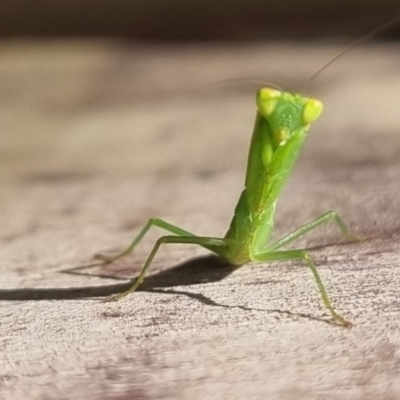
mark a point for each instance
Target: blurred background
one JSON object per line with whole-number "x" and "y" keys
{"x": 180, "y": 20}
{"x": 129, "y": 90}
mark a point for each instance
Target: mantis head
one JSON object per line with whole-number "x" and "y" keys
{"x": 287, "y": 113}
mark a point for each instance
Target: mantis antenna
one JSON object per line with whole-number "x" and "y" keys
{"x": 230, "y": 81}
{"x": 352, "y": 45}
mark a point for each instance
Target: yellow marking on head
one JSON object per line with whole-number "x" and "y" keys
{"x": 267, "y": 93}
{"x": 266, "y": 100}
{"x": 312, "y": 110}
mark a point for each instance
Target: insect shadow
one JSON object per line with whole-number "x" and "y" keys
{"x": 200, "y": 270}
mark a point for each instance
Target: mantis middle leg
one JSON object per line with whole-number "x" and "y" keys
{"x": 151, "y": 222}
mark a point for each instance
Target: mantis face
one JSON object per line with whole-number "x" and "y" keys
{"x": 287, "y": 113}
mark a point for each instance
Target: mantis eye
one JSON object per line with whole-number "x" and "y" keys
{"x": 266, "y": 100}
{"x": 312, "y": 110}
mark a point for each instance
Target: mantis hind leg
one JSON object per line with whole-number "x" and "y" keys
{"x": 303, "y": 255}
{"x": 151, "y": 222}
{"x": 329, "y": 216}
{"x": 213, "y": 244}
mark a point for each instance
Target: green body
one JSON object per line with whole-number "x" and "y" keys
{"x": 282, "y": 124}
{"x": 268, "y": 167}
{"x": 278, "y": 136}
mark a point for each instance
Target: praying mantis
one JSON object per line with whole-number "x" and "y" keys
{"x": 282, "y": 123}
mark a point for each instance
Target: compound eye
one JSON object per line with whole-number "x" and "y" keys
{"x": 312, "y": 110}
{"x": 266, "y": 100}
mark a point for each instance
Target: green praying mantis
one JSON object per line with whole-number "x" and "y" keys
{"x": 282, "y": 124}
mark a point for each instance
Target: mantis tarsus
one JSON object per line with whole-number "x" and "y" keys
{"x": 281, "y": 125}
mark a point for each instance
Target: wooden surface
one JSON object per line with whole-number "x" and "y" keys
{"x": 96, "y": 137}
